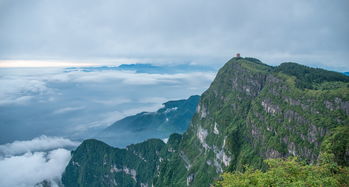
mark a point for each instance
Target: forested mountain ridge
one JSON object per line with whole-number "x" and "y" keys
{"x": 174, "y": 117}
{"x": 251, "y": 112}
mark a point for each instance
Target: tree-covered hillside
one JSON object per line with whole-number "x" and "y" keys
{"x": 252, "y": 112}
{"x": 331, "y": 169}
{"x": 307, "y": 77}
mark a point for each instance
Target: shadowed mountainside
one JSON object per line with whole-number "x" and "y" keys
{"x": 173, "y": 117}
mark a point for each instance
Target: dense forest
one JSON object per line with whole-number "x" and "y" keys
{"x": 308, "y": 77}
{"x": 331, "y": 170}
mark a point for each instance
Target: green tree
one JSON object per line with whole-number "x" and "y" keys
{"x": 290, "y": 172}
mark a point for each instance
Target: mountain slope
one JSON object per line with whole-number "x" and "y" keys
{"x": 174, "y": 117}
{"x": 251, "y": 112}
{"x": 97, "y": 164}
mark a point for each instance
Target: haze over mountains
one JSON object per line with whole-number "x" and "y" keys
{"x": 46, "y": 112}
{"x": 63, "y": 96}
{"x": 173, "y": 117}
{"x": 60, "y": 101}
{"x": 70, "y": 69}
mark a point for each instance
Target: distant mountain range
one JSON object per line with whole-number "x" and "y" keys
{"x": 149, "y": 68}
{"x": 174, "y": 117}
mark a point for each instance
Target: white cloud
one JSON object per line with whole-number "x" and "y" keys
{"x": 26, "y": 163}
{"x": 31, "y": 168}
{"x": 18, "y": 86}
{"x": 63, "y": 63}
{"x": 113, "y": 101}
{"x": 19, "y": 90}
{"x": 165, "y": 140}
{"x": 108, "y": 94}
{"x": 21, "y": 85}
{"x": 153, "y": 100}
{"x": 42, "y": 143}
{"x": 107, "y": 119}
{"x": 131, "y": 77}
{"x": 19, "y": 100}
{"x": 38, "y": 63}
{"x": 67, "y": 109}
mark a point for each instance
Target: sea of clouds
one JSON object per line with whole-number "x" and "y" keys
{"x": 60, "y": 101}
{"x": 27, "y": 163}
{"x": 72, "y": 104}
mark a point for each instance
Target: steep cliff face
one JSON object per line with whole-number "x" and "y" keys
{"x": 215, "y": 139}
{"x": 250, "y": 112}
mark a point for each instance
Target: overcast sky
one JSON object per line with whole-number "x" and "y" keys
{"x": 312, "y": 32}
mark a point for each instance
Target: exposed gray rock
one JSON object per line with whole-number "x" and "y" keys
{"x": 202, "y": 134}
{"x": 345, "y": 107}
{"x": 292, "y": 102}
{"x": 215, "y": 129}
{"x": 190, "y": 178}
{"x": 314, "y": 132}
{"x": 291, "y": 115}
{"x": 186, "y": 160}
{"x": 270, "y": 108}
{"x": 272, "y": 153}
{"x": 291, "y": 147}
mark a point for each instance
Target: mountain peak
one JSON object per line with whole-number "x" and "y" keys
{"x": 251, "y": 112}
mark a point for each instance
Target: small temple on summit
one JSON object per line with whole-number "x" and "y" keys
{"x": 238, "y": 55}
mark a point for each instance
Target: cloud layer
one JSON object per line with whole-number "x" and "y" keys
{"x": 31, "y": 168}
{"x": 26, "y": 163}
{"x": 19, "y": 89}
{"x": 60, "y": 101}
{"x": 311, "y": 32}
{"x": 42, "y": 143}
